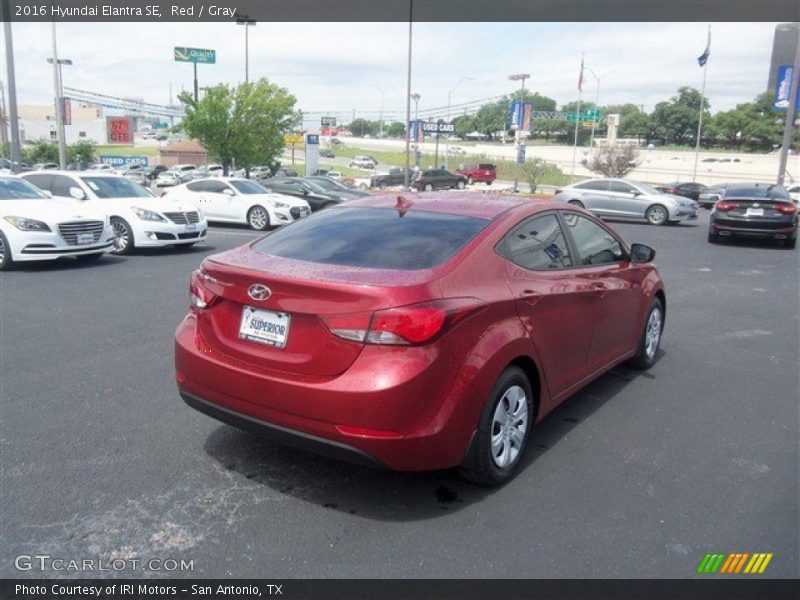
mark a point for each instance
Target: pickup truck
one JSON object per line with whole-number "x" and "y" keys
{"x": 395, "y": 176}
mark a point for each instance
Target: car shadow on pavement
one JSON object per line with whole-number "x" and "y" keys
{"x": 386, "y": 495}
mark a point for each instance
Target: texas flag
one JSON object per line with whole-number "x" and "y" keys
{"x": 703, "y": 58}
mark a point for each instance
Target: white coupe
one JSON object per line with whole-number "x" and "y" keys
{"x": 34, "y": 226}
{"x": 139, "y": 218}
{"x": 237, "y": 200}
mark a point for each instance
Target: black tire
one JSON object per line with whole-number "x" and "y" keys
{"x": 123, "y": 236}
{"x": 258, "y": 218}
{"x": 484, "y": 468}
{"x": 90, "y": 258}
{"x": 657, "y": 215}
{"x": 6, "y": 261}
{"x": 790, "y": 243}
{"x": 428, "y": 187}
{"x": 645, "y": 356}
{"x": 383, "y": 185}
{"x": 460, "y": 184}
{"x": 488, "y": 183}
{"x": 713, "y": 238}
{"x": 577, "y": 203}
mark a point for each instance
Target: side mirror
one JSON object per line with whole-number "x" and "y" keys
{"x": 228, "y": 192}
{"x": 641, "y": 253}
{"x": 636, "y": 193}
{"x": 77, "y": 193}
{"x": 305, "y": 192}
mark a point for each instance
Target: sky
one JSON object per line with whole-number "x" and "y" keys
{"x": 332, "y": 67}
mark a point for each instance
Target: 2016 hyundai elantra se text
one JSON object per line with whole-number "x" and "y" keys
{"x": 417, "y": 333}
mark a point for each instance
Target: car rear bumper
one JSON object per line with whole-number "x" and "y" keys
{"x": 775, "y": 229}
{"x": 402, "y": 413}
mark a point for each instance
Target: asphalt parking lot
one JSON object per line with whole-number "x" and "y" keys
{"x": 638, "y": 475}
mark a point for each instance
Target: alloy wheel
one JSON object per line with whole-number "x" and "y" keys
{"x": 652, "y": 335}
{"x": 122, "y": 237}
{"x": 258, "y": 218}
{"x": 657, "y": 215}
{"x": 2, "y": 251}
{"x": 509, "y": 426}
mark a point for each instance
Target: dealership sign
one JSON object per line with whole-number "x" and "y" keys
{"x": 119, "y": 130}
{"x": 440, "y": 127}
{"x": 783, "y": 87}
{"x": 118, "y": 161}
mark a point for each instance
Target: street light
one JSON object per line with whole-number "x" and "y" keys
{"x": 518, "y": 133}
{"x": 59, "y": 94}
{"x": 449, "y": 96}
{"x": 247, "y": 22}
{"x": 380, "y": 118}
{"x": 596, "y": 98}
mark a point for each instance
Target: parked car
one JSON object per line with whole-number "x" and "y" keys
{"x": 317, "y": 197}
{"x": 326, "y": 153}
{"x": 438, "y": 179}
{"x": 421, "y": 333}
{"x": 285, "y": 172}
{"x": 238, "y": 200}
{"x": 794, "y": 193}
{"x": 763, "y": 211}
{"x": 46, "y": 166}
{"x": 154, "y": 172}
{"x": 139, "y": 176}
{"x": 363, "y": 162}
{"x": 709, "y": 196}
{"x": 332, "y": 185}
{"x": 687, "y": 189}
{"x": 170, "y": 178}
{"x": 139, "y": 218}
{"x": 626, "y": 199}
{"x": 34, "y": 226}
{"x": 97, "y": 167}
{"x": 393, "y": 177}
{"x": 478, "y": 172}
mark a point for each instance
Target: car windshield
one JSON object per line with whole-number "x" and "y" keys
{"x": 249, "y": 187}
{"x": 329, "y": 184}
{"x": 772, "y": 191}
{"x": 314, "y": 186}
{"x": 18, "y": 189}
{"x": 647, "y": 189}
{"x": 116, "y": 187}
{"x": 374, "y": 238}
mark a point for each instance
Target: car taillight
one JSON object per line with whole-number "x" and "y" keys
{"x": 199, "y": 295}
{"x": 405, "y": 325}
{"x": 787, "y": 209}
{"x": 724, "y": 205}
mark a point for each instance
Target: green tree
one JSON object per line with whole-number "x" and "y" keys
{"x": 637, "y": 124}
{"x": 395, "y": 129}
{"x": 361, "y": 127}
{"x": 245, "y": 124}
{"x": 676, "y": 120}
{"x": 42, "y": 151}
{"x": 81, "y": 154}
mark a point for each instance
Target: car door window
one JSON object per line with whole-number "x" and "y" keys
{"x": 537, "y": 244}
{"x": 594, "y": 244}
{"x": 620, "y": 187}
{"x": 598, "y": 186}
{"x": 43, "y": 182}
{"x": 61, "y": 185}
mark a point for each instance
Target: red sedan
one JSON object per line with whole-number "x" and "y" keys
{"x": 417, "y": 333}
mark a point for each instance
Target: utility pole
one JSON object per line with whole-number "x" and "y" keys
{"x": 415, "y": 98}
{"x": 790, "y": 115}
{"x": 449, "y": 97}
{"x": 380, "y": 119}
{"x": 62, "y": 143}
{"x": 406, "y": 175}
{"x": 12, "y": 90}
{"x": 247, "y": 22}
{"x": 520, "y": 126}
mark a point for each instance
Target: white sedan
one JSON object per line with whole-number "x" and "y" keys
{"x": 237, "y": 200}
{"x": 34, "y": 226}
{"x": 139, "y": 218}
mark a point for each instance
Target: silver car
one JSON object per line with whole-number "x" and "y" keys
{"x": 625, "y": 199}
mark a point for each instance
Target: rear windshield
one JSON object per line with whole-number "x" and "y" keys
{"x": 773, "y": 191}
{"x": 486, "y": 166}
{"x": 373, "y": 238}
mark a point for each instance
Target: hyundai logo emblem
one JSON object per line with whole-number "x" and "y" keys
{"x": 258, "y": 291}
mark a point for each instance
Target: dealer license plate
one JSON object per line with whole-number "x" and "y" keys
{"x": 755, "y": 212}
{"x": 264, "y": 326}
{"x": 84, "y": 238}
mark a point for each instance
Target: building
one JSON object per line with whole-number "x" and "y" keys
{"x": 37, "y": 122}
{"x": 784, "y": 47}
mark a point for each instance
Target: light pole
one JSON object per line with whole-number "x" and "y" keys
{"x": 247, "y": 22}
{"x": 60, "y": 101}
{"x": 596, "y": 98}
{"x": 449, "y": 97}
{"x": 12, "y": 90}
{"x": 62, "y": 147}
{"x": 518, "y": 133}
{"x": 380, "y": 118}
{"x": 415, "y": 98}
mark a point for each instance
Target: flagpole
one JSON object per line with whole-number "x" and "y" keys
{"x": 702, "y": 106}
{"x": 577, "y": 119}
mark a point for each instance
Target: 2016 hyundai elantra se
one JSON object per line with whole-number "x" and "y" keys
{"x": 417, "y": 333}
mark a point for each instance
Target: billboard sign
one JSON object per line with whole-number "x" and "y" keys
{"x": 328, "y": 122}
{"x": 293, "y": 138}
{"x": 119, "y": 130}
{"x": 119, "y": 161}
{"x": 783, "y": 87}
{"x": 439, "y": 127}
{"x": 195, "y": 55}
{"x": 312, "y": 139}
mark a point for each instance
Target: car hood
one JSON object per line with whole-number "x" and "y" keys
{"x": 50, "y": 210}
